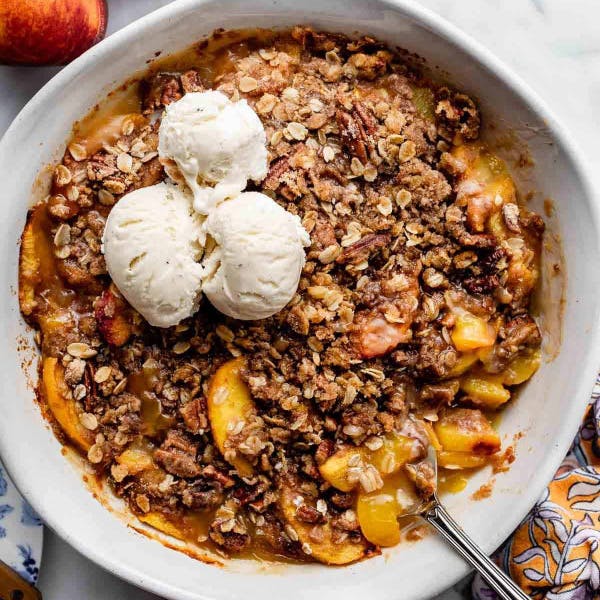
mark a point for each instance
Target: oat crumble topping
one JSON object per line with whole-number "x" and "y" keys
{"x": 411, "y": 320}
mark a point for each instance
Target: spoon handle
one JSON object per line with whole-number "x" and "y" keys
{"x": 438, "y": 517}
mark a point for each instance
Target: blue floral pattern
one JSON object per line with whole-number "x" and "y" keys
{"x": 5, "y": 509}
{"x": 21, "y": 531}
{"x": 29, "y": 569}
{"x": 29, "y": 517}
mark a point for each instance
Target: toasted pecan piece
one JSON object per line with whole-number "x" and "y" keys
{"x": 362, "y": 249}
{"x": 276, "y": 170}
{"x": 353, "y": 135}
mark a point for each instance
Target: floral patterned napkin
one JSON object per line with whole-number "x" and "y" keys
{"x": 21, "y": 534}
{"x": 555, "y": 553}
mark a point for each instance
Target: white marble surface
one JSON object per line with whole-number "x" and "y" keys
{"x": 553, "y": 44}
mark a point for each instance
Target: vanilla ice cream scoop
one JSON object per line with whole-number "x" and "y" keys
{"x": 151, "y": 248}
{"x": 254, "y": 268}
{"x": 217, "y": 145}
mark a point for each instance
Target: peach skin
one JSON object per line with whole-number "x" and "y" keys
{"x": 52, "y": 32}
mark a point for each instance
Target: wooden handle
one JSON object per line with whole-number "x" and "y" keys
{"x": 14, "y": 587}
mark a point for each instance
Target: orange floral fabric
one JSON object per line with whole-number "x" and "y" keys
{"x": 555, "y": 553}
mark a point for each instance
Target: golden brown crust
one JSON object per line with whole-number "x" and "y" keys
{"x": 404, "y": 242}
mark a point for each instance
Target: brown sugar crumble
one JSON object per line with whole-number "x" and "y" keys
{"x": 502, "y": 461}
{"x": 484, "y": 491}
{"x": 409, "y": 326}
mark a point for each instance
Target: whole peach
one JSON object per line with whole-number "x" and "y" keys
{"x": 49, "y": 32}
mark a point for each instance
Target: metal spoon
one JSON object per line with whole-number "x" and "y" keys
{"x": 432, "y": 510}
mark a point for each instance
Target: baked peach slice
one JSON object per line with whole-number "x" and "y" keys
{"x": 108, "y": 132}
{"x": 324, "y": 550}
{"x": 488, "y": 389}
{"x": 229, "y": 403}
{"x": 378, "y": 517}
{"x": 485, "y": 390}
{"x": 466, "y": 430}
{"x": 160, "y": 522}
{"x": 464, "y": 362}
{"x": 450, "y": 459}
{"x": 29, "y": 270}
{"x": 336, "y": 468}
{"x": 62, "y": 405}
{"x": 522, "y": 367}
{"x": 395, "y": 452}
{"x": 460, "y": 460}
{"x": 378, "y": 511}
{"x": 114, "y": 317}
{"x": 484, "y": 186}
{"x": 471, "y": 332}
{"x": 191, "y": 527}
{"x": 138, "y": 459}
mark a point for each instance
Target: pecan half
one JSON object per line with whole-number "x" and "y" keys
{"x": 276, "y": 170}
{"x": 353, "y": 135}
